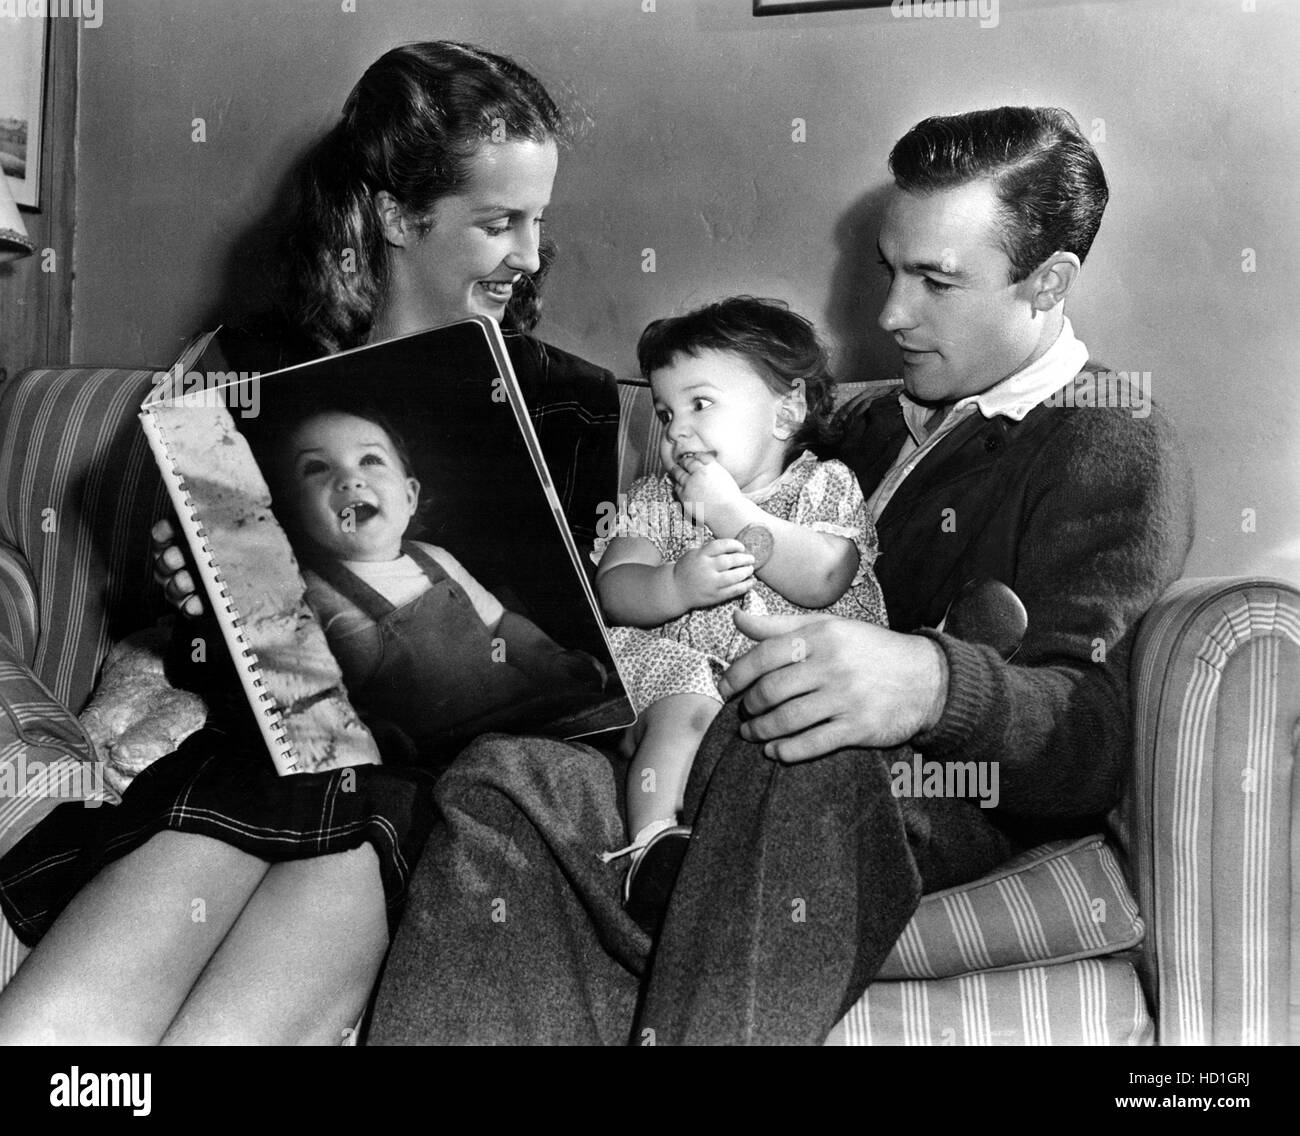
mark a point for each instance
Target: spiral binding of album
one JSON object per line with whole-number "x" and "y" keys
{"x": 246, "y": 563}
{"x": 269, "y": 719}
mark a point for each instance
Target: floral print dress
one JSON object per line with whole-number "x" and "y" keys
{"x": 687, "y": 655}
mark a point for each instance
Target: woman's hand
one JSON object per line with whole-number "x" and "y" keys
{"x": 720, "y": 571}
{"x": 708, "y": 493}
{"x": 170, "y": 571}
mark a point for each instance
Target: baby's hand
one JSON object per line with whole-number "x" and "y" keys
{"x": 704, "y": 487}
{"x": 720, "y": 571}
{"x": 170, "y": 571}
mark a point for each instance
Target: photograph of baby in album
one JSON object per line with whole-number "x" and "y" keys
{"x": 431, "y": 554}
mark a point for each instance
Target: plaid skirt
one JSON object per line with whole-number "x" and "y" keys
{"x": 223, "y": 785}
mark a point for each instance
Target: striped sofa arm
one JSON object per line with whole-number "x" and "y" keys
{"x": 80, "y": 494}
{"x": 1210, "y": 819}
{"x": 20, "y": 619}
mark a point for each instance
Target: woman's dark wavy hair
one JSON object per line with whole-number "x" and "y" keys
{"x": 781, "y": 346}
{"x": 1048, "y": 178}
{"x": 410, "y": 126}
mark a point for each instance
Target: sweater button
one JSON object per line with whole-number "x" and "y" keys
{"x": 991, "y": 443}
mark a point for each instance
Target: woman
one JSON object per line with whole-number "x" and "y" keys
{"x": 233, "y": 905}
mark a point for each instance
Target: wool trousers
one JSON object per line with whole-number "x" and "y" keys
{"x": 797, "y": 882}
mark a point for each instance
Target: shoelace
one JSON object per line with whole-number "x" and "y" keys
{"x": 642, "y": 838}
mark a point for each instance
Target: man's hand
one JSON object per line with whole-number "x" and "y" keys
{"x": 170, "y": 571}
{"x": 817, "y": 685}
{"x": 720, "y": 571}
{"x": 706, "y": 490}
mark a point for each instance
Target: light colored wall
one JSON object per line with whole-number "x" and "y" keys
{"x": 686, "y": 147}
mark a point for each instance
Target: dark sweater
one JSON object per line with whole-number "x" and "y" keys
{"x": 574, "y": 408}
{"x": 1087, "y": 514}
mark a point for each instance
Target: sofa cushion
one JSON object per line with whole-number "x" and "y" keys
{"x": 45, "y": 756}
{"x": 1062, "y": 901}
{"x": 45, "y": 760}
{"x": 1088, "y": 1002}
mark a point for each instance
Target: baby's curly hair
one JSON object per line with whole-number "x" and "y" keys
{"x": 781, "y": 346}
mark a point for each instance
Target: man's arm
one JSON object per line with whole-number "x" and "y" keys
{"x": 1106, "y": 528}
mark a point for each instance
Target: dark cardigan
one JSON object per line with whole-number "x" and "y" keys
{"x": 1086, "y": 512}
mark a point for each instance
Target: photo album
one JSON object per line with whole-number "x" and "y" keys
{"x": 380, "y": 541}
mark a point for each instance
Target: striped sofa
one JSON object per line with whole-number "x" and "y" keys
{"x": 1176, "y": 927}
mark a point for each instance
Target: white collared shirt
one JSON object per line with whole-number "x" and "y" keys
{"x": 1013, "y": 397}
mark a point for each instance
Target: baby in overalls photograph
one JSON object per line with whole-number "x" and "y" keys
{"x": 422, "y": 644}
{"x": 744, "y": 517}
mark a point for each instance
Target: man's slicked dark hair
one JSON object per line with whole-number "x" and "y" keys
{"x": 1047, "y": 176}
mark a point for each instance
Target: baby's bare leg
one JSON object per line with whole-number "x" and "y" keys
{"x": 673, "y": 729}
{"x": 120, "y": 960}
{"x": 298, "y": 966}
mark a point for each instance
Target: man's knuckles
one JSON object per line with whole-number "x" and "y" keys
{"x": 762, "y": 695}
{"x": 778, "y": 722}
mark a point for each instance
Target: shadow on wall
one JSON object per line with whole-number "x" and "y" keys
{"x": 252, "y": 273}
{"x": 857, "y": 294}
{"x": 255, "y": 292}
{"x": 252, "y": 283}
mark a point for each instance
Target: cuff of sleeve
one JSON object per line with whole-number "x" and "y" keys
{"x": 866, "y": 548}
{"x": 970, "y": 682}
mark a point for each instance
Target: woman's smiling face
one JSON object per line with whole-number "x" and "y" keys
{"x": 483, "y": 239}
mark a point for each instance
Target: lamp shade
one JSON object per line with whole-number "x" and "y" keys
{"x": 13, "y": 234}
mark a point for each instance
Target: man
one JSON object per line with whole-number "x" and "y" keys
{"x": 804, "y": 868}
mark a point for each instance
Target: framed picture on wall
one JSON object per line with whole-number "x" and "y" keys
{"x": 790, "y": 7}
{"x": 22, "y": 90}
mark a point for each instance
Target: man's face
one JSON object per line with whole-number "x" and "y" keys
{"x": 962, "y": 327}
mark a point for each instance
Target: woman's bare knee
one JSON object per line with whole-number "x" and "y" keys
{"x": 299, "y": 965}
{"x": 123, "y": 955}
